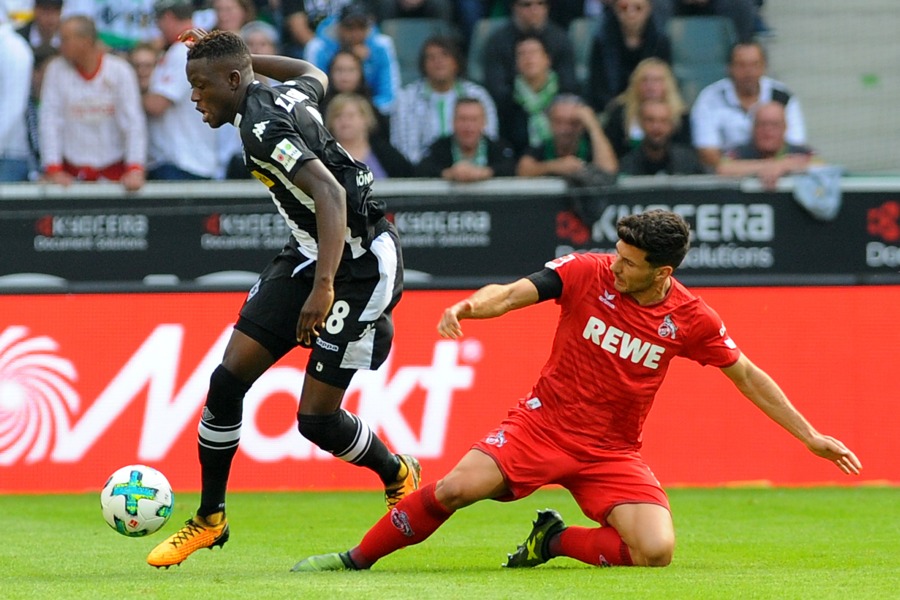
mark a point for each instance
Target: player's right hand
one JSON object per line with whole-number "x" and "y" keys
{"x": 449, "y": 326}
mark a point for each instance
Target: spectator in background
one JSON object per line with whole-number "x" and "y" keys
{"x": 351, "y": 119}
{"x": 16, "y": 64}
{"x": 577, "y": 143}
{"x": 231, "y": 15}
{"x": 722, "y": 115}
{"x": 43, "y": 29}
{"x": 42, "y": 57}
{"x": 536, "y": 84}
{"x": 182, "y": 147}
{"x": 528, "y": 17}
{"x": 769, "y": 155}
{"x": 91, "y": 123}
{"x": 742, "y": 13}
{"x": 301, "y": 19}
{"x": 652, "y": 79}
{"x": 355, "y": 31}
{"x": 143, "y": 58}
{"x": 657, "y": 154}
{"x": 261, "y": 38}
{"x": 563, "y": 12}
{"x": 468, "y": 154}
{"x": 414, "y": 9}
{"x": 121, "y": 24}
{"x": 627, "y": 36}
{"x": 424, "y": 108}
{"x": 346, "y": 75}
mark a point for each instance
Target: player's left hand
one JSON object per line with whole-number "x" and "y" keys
{"x": 313, "y": 313}
{"x": 834, "y": 450}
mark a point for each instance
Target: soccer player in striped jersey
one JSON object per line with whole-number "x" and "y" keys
{"x": 332, "y": 288}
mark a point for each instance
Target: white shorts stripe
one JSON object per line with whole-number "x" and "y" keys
{"x": 385, "y": 251}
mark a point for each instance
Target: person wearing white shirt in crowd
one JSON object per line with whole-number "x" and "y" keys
{"x": 16, "y": 63}
{"x": 424, "y": 110}
{"x": 91, "y": 124}
{"x": 722, "y": 115}
{"x": 182, "y": 146}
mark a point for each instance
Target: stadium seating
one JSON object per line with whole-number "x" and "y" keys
{"x": 582, "y": 31}
{"x": 480, "y": 33}
{"x": 700, "y": 49}
{"x": 409, "y": 36}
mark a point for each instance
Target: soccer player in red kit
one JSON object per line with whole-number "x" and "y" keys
{"x": 623, "y": 318}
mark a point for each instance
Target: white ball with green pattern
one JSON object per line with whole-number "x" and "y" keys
{"x": 137, "y": 500}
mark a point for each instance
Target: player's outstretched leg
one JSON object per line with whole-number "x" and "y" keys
{"x": 407, "y": 481}
{"x": 536, "y": 548}
{"x": 197, "y": 533}
{"x": 336, "y": 561}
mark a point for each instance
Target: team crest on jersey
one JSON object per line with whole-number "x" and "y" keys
{"x": 608, "y": 298}
{"x": 667, "y": 328}
{"x": 287, "y": 154}
{"x": 496, "y": 439}
{"x": 259, "y": 129}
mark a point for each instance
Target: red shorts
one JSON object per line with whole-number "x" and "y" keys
{"x": 598, "y": 482}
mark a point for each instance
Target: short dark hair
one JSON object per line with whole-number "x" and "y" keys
{"x": 463, "y": 100}
{"x": 752, "y": 44}
{"x": 222, "y": 45}
{"x": 662, "y": 234}
{"x": 448, "y": 44}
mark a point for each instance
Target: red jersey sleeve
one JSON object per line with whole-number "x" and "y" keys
{"x": 709, "y": 343}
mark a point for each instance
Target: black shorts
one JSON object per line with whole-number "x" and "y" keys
{"x": 358, "y": 331}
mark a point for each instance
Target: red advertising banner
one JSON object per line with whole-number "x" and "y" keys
{"x": 90, "y": 383}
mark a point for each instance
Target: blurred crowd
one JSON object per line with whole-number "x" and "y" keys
{"x": 464, "y": 90}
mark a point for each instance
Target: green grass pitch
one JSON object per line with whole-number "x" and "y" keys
{"x": 779, "y": 543}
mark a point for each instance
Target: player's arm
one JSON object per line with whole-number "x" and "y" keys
{"x": 761, "y": 389}
{"x": 284, "y": 68}
{"x": 331, "y": 224}
{"x": 490, "y": 301}
{"x": 498, "y": 299}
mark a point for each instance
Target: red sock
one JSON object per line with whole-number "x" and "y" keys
{"x": 414, "y": 518}
{"x": 600, "y": 546}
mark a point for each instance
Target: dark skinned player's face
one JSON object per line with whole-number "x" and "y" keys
{"x": 213, "y": 88}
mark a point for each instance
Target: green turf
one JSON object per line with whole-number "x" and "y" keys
{"x": 732, "y": 543}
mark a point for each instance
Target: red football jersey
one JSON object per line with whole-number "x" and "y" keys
{"x": 610, "y": 355}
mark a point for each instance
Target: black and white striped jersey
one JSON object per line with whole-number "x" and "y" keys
{"x": 281, "y": 128}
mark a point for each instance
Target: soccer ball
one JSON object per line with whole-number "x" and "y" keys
{"x": 137, "y": 500}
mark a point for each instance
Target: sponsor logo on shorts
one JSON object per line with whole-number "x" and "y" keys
{"x": 326, "y": 345}
{"x": 400, "y": 520}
